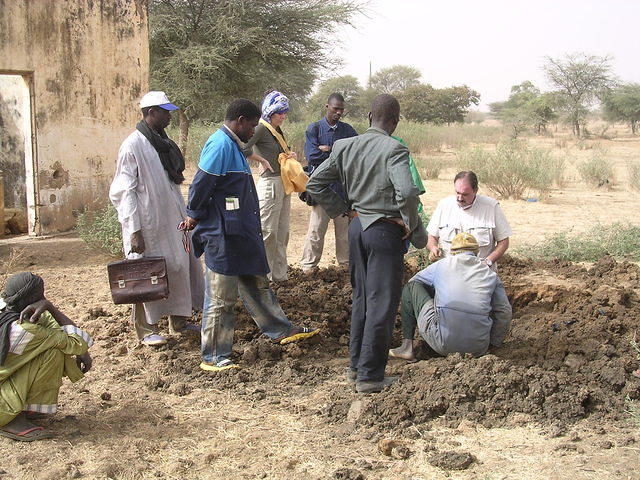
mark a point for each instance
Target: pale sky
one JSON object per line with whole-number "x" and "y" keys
{"x": 490, "y": 45}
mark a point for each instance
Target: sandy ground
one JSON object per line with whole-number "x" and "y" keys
{"x": 143, "y": 413}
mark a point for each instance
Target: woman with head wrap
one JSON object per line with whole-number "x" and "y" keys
{"x": 37, "y": 348}
{"x": 275, "y": 204}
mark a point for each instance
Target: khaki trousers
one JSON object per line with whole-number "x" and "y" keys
{"x": 314, "y": 244}
{"x": 275, "y": 213}
{"x": 144, "y": 329}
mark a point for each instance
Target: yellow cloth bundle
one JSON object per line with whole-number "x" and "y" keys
{"x": 293, "y": 177}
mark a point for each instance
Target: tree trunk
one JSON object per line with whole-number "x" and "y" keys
{"x": 576, "y": 128}
{"x": 184, "y": 132}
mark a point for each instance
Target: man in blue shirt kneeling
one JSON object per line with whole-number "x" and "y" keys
{"x": 224, "y": 212}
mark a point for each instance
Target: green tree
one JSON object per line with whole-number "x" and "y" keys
{"x": 418, "y": 103}
{"x": 206, "y": 52}
{"x": 394, "y": 79}
{"x": 623, "y": 104}
{"x": 525, "y": 108}
{"x": 350, "y": 89}
{"x": 453, "y": 103}
{"x": 423, "y": 103}
{"x": 581, "y": 80}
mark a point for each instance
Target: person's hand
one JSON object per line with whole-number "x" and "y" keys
{"x": 293, "y": 155}
{"x": 324, "y": 148}
{"x": 32, "y": 312}
{"x": 137, "y": 242}
{"x": 189, "y": 223}
{"x": 434, "y": 253}
{"x": 351, "y": 214}
{"x": 84, "y": 362}
{"x": 401, "y": 224}
{"x": 263, "y": 166}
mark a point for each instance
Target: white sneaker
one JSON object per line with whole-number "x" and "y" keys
{"x": 154, "y": 340}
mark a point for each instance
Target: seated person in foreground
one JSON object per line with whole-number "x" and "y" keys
{"x": 37, "y": 345}
{"x": 458, "y": 304}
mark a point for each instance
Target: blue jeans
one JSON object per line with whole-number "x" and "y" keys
{"x": 218, "y": 318}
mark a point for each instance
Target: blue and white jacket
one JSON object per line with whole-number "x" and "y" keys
{"x": 223, "y": 199}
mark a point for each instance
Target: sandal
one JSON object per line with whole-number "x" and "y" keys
{"x": 225, "y": 364}
{"x": 29, "y": 435}
{"x": 296, "y": 334}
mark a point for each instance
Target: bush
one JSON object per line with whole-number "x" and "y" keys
{"x": 431, "y": 166}
{"x": 619, "y": 240}
{"x": 633, "y": 168}
{"x": 597, "y": 171}
{"x": 513, "y": 168}
{"x": 101, "y": 229}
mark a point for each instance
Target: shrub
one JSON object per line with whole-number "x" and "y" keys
{"x": 633, "y": 168}
{"x": 513, "y": 168}
{"x": 597, "y": 171}
{"x": 619, "y": 240}
{"x": 101, "y": 229}
{"x": 431, "y": 167}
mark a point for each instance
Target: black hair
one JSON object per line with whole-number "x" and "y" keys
{"x": 385, "y": 108}
{"x": 241, "y": 107}
{"x": 470, "y": 176}
{"x": 335, "y": 96}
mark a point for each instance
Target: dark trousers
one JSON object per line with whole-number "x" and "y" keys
{"x": 376, "y": 264}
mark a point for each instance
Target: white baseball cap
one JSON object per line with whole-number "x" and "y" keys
{"x": 157, "y": 99}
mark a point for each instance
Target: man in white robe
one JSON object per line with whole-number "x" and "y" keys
{"x": 146, "y": 193}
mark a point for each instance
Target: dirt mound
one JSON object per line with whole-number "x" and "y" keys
{"x": 568, "y": 356}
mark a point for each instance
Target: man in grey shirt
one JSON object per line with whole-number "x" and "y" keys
{"x": 382, "y": 202}
{"x": 458, "y": 304}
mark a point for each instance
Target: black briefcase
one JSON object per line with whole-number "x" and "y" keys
{"x": 138, "y": 280}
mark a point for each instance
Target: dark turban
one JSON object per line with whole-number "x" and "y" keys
{"x": 20, "y": 291}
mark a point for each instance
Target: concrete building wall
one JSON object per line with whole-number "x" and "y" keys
{"x": 87, "y": 62}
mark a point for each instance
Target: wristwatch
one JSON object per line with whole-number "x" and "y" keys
{"x": 488, "y": 262}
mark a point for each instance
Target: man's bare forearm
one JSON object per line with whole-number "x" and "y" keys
{"x": 498, "y": 252}
{"x": 59, "y": 317}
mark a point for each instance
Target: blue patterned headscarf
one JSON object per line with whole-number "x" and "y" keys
{"x": 274, "y": 102}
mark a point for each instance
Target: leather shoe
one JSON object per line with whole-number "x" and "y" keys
{"x": 375, "y": 387}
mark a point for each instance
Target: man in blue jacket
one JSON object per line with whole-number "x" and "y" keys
{"x": 320, "y": 137}
{"x": 223, "y": 208}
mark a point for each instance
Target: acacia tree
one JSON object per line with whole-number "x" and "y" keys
{"x": 206, "y": 52}
{"x": 394, "y": 79}
{"x": 526, "y": 107}
{"x": 581, "y": 80}
{"x": 623, "y": 104}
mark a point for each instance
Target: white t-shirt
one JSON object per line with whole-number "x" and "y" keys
{"x": 485, "y": 220}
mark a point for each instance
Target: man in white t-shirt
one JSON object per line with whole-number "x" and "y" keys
{"x": 469, "y": 212}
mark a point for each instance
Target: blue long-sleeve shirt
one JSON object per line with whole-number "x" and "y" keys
{"x": 223, "y": 199}
{"x": 321, "y": 133}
